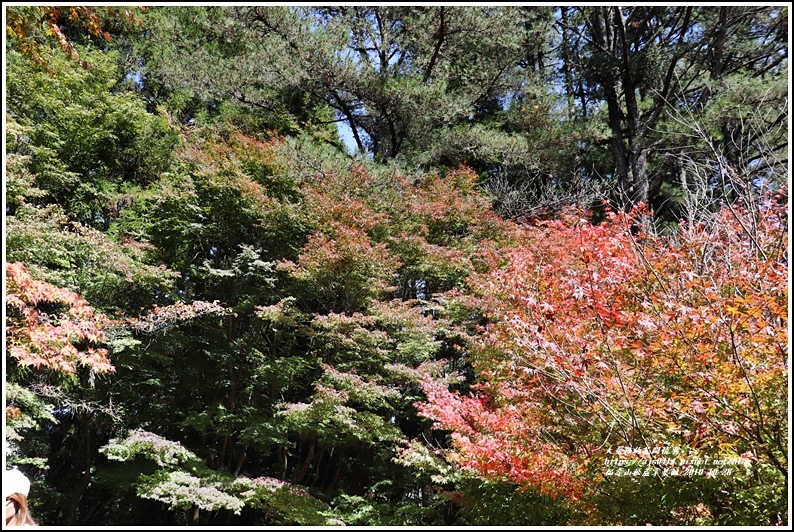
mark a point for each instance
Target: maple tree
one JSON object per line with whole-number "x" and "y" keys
{"x": 30, "y": 25}
{"x": 609, "y": 335}
{"x": 52, "y": 328}
{"x": 53, "y": 338}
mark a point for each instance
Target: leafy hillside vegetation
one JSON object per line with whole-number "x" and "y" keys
{"x": 539, "y": 276}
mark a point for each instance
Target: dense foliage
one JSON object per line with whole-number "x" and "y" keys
{"x": 643, "y": 342}
{"x": 545, "y": 284}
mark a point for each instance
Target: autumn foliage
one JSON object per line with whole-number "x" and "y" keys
{"x": 27, "y": 24}
{"x": 608, "y": 335}
{"x": 52, "y": 328}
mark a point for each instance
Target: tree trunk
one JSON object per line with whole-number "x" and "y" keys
{"x": 300, "y": 474}
{"x": 193, "y": 516}
{"x": 566, "y": 60}
{"x": 619, "y": 86}
{"x": 84, "y": 478}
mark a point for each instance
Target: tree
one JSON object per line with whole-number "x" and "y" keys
{"x": 632, "y": 52}
{"x": 86, "y": 145}
{"x": 28, "y": 28}
{"x": 645, "y": 61}
{"x": 644, "y": 342}
{"x": 56, "y": 345}
{"x": 396, "y": 75}
{"x": 733, "y": 120}
{"x": 57, "y": 340}
{"x": 309, "y": 377}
